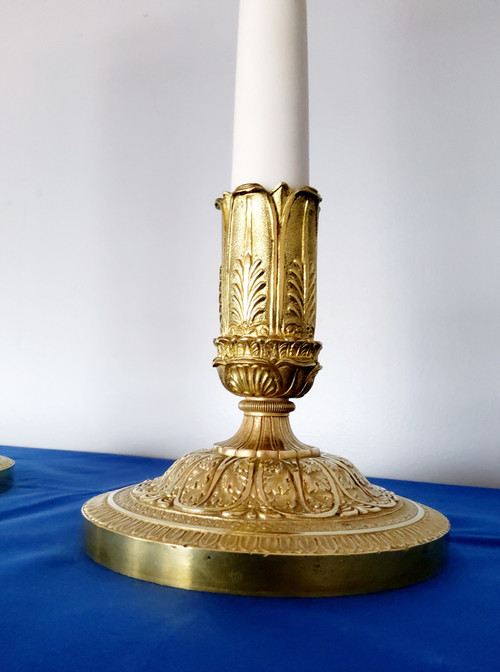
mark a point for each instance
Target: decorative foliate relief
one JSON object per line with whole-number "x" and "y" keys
{"x": 401, "y": 527}
{"x": 267, "y": 291}
{"x": 267, "y": 367}
{"x": 300, "y": 311}
{"x": 268, "y": 272}
{"x": 248, "y": 296}
{"x": 236, "y": 487}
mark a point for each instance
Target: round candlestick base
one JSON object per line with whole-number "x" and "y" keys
{"x": 150, "y": 531}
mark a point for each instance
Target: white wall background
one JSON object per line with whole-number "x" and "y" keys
{"x": 115, "y": 123}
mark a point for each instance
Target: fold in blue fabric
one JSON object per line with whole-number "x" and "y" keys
{"x": 62, "y": 612}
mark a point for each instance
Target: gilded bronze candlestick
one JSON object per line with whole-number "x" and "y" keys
{"x": 263, "y": 513}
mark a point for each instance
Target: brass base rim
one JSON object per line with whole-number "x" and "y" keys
{"x": 192, "y": 567}
{"x": 6, "y": 472}
{"x": 6, "y": 464}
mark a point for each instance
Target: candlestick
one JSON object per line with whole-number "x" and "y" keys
{"x": 262, "y": 513}
{"x": 271, "y": 141}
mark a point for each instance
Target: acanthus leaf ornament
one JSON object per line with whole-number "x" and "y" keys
{"x": 300, "y": 313}
{"x": 248, "y": 297}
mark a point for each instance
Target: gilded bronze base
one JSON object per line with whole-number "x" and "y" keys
{"x": 263, "y": 514}
{"x": 339, "y": 557}
{"x": 6, "y": 465}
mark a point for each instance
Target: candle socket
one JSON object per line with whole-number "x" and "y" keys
{"x": 263, "y": 513}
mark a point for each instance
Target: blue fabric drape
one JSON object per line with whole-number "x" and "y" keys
{"x": 60, "y": 611}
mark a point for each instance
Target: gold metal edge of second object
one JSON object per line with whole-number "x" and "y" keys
{"x": 263, "y": 513}
{"x": 6, "y": 465}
